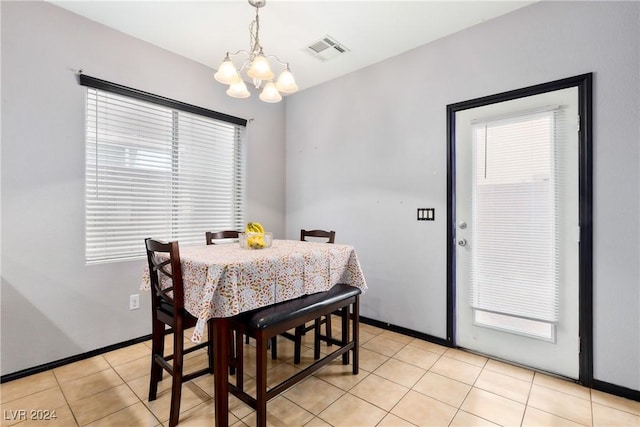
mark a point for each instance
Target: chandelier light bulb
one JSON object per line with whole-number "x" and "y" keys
{"x": 227, "y": 73}
{"x": 270, "y": 93}
{"x": 238, "y": 90}
{"x": 286, "y": 83}
{"x": 260, "y": 68}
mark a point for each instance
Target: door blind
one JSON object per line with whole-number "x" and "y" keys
{"x": 514, "y": 263}
{"x": 156, "y": 171}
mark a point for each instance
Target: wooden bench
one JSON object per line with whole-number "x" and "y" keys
{"x": 265, "y": 323}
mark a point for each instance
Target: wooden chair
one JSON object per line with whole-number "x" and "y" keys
{"x": 212, "y": 236}
{"x": 329, "y": 235}
{"x": 167, "y": 305}
{"x": 317, "y": 235}
{"x": 210, "y": 239}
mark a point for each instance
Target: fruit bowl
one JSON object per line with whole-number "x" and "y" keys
{"x": 255, "y": 240}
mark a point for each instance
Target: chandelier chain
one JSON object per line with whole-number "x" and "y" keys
{"x": 254, "y": 32}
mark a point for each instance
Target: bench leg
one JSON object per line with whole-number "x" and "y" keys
{"x": 274, "y": 348}
{"x": 261, "y": 380}
{"x": 238, "y": 361}
{"x": 344, "y": 314}
{"x": 316, "y": 339}
{"x": 355, "y": 324}
{"x": 297, "y": 350}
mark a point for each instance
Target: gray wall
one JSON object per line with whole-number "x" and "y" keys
{"x": 53, "y": 305}
{"x": 363, "y": 152}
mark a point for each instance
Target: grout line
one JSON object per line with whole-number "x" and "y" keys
{"x": 134, "y": 393}
{"x": 64, "y": 396}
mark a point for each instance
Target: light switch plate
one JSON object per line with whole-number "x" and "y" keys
{"x": 426, "y": 214}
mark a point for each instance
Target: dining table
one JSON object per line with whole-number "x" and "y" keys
{"x": 223, "y": 280}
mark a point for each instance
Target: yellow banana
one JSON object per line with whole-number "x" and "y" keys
{"x": 256, "y": 235}
{"x": 255, "y": 241}
{"x": 254, "y": 227}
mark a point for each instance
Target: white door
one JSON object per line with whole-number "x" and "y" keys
{"x": 517, "y": 231}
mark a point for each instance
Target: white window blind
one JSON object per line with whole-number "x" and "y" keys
{"x": 156, "y": 171}
{"x": 514, "y": 265}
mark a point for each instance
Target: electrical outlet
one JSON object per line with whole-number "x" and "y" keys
{"x": 134, "y": 302}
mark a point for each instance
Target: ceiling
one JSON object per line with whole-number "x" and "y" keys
{"x": 371, "y": 31}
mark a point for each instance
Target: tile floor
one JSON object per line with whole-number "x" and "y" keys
{"x": 402, "y": 382}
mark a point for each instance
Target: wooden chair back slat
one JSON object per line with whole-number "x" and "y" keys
{"x": 212, "y": 236}
{"x": 330, "y": 235}
{"x": 171, "y": 289}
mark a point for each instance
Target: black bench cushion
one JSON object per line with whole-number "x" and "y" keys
{"x": 274, "y": 314}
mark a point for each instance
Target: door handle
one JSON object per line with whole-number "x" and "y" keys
{"x": 462, "y": 242}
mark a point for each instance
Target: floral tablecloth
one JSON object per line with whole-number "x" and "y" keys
{"x": 224, "y": 280}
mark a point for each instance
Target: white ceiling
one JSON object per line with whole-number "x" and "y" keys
{"x": 371, "y": 30}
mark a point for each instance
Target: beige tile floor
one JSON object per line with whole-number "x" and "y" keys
{"x": 402, "y": 382}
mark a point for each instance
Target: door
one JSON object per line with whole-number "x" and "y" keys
{"x": 516, "y": 230}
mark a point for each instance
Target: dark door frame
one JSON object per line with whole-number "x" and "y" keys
{"x": 585, "y": 141}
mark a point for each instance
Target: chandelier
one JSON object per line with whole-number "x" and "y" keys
{"x": 257, "y": 68}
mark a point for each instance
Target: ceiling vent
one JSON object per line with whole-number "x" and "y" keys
{"x": 326, "y": 48}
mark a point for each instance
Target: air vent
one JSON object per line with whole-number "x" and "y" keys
{"x": 326, "y": 48}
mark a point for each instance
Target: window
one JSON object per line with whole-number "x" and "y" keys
{"x": 157, "y": 168}
{"x": 515, "y": 276}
